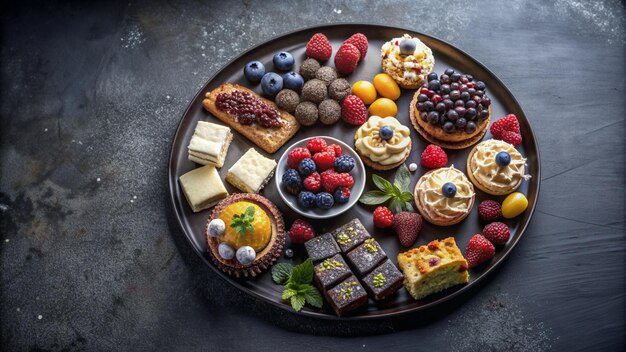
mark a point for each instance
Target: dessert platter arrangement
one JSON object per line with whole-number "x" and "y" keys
{"x": 354, "y": 171}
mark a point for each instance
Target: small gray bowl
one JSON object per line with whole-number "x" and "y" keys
{"x": 358, "y": 173}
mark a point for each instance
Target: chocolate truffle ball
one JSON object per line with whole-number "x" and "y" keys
{"x": 287, "y": 100}
{"x": 308, "y": 68}
{"x": 314, "y": 91}
{"x": 339, "y": 89}
{"x": 326, "y": 74}
{"x": 329, "y": 111}
{"x": 306, "y": 113}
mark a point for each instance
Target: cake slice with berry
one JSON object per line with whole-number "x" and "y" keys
{"x": 432, "y": 268}
{"x": 255, "y": 117}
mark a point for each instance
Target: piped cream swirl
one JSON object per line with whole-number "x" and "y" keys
{"x": 439, "y": 207}
{"x": 385, "y": 152}
{"x": 485, "y": 170}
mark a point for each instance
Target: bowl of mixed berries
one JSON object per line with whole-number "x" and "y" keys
{"x": 320, "y": 177}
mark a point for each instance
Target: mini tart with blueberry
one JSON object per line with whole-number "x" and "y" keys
{"x": 407, "y": 60}
{"x": 444, "y": 196}
{"x": 245, "y": 234}
{"x": 496, "y": 167}
{"x": 383, "y": 143}
{"x": 452, "y": 110}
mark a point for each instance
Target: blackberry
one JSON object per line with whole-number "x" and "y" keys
{"x": 307, "y": 199}
{"x": 292, "y": 181}
{"x": 307, "y": 166}
{"x": 344, "y": 163}
{"x": 324, "y": 200}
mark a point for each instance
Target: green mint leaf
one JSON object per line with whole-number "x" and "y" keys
{"x": 297, "y": 302}
{"x": 374, "y": 197}
{"x": 302, "y": 273}
{"x": 397, "y": 193}
{"x": 281, "y": 273}
{"x": 395, "y": 205}
{"x": 407, "y": 196}
{"x": 313, "y": 297}
{"x": 382, "y": 184}
{"x": 402, "y": 179}
{"x": 409, "y": 207}
{"x": 288, "y": 293}
{"x": 242, "y": 223}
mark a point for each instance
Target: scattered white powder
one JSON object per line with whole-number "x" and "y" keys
{"x": 337, "y": 11}
{"x": 133, "y": 37}
{"x": 98, "y": 179}
{"x": 40, "y": 317}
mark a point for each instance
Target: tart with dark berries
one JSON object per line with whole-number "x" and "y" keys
{"x": 255, "y": 117}
{"x": 245, "y": 234}
{"x": 452, "y": 110}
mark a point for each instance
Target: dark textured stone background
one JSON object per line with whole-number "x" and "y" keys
{"x": 92, "y": 258}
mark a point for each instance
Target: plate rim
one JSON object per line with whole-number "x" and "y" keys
{"x": 374, "y": 316}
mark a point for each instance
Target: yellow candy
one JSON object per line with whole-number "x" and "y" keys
{"x": 383, "y": 107}
{"x": 386, "y": 86}
{"x": 514, "y": 204}
{"x": 364, "y": 90}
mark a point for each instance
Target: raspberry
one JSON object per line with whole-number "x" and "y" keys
{"x": 336, "y": 148}
{"x": 313, "y": 182}
{"x": 342, "y": 195}
{"x": 347, "y": 58}
{"x": 433, "y": 157}
{"x": 478, "y": 250}
{"x": 512, "y": 138}
{"x": 329, "y": 182}
{"x": 295, "y": 157}
{"x": 301, "y": 231}
{"x": 383, "y": 217}
{"x": 316, "y": 145}
{"x": 359, "y": 40}
{"x": 324, "y": 160}
{"x": 507, "y": 129}
{"x": 330, "y": 150}
{"x": 319, "y": 47}
{"x": 344, "y": 179}
{"x": 489, "y": 210}
{"x": 353, "y": 110}
{"x": 497, "y": 232}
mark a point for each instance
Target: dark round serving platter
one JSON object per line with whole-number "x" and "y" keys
{"x": 446, "y": 55}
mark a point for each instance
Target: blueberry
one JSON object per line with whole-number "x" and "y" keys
{"x": 460, "y": 123}
{"x": 470, "y": 127}
{"x": 460, "y": 110}
{"x": 470, "y": 113}
{"x": 283, "y": 61}
{"x": 307, "y": 166}
{"x": 433, "y": 117}
{"x": 445, "y": 89}
{"x": 385, "y": 132}
{"x": 445, "y": 79}
{"x": 469, "y": 77}
{"x": 225, "y": 251}
{"x": 484, "y": 114}
{"x": 434, "y": 84}
{"x": 342, "y": 195}
{"x": 448, "y": 189}
{"x": 307, "y": 199}
{"x": 480, "y": 85}
{"x": 440, "y": 107}
{"x": 470, "y": 104}
{"x": 271, "y": 83}
{"x": 503, "y": 159}
{"x": 472, "y": 91}
{"x": 465, "y": 96}
{"x": 422, "y": 98}
{"x": 419, "y": 106}
{"x": 254, "y": 71}
{"x": 486, "y": 102}
{"x": 293, "y": 80}
{"x": 289, "y": 253}
{"x": 454, "y": 77}
{"x": 448, "y": 127}
{"x": 459, "y": 103}
{"x": 324, "y": 200}
{"x": 292, "y": 181}
{"x": 455, "y": 94}
{"x": 407, "y": 46}
{"x": 344, "y": 163}
{"x": 429, "y": 106}
{"x": 431, "y": 77}
{"x": 453, "y": 115}
{"x": 448, "y": 103}
{"x": 454, "y": 86}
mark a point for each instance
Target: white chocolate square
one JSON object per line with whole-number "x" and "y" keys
{"x": 209, "y": 143}
{"x": 251, "y": 172}
{"x": 203, "y": 187}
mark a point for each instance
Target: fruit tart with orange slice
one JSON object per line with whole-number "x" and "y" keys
{"x": 245, "y": 234}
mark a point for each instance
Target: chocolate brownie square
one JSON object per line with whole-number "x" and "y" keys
{"x": 321, "y": 247}
{"x": 331, "y": 271}
{"x": 383, "y": 281}
{"x": 351, "y": 235}
{"x": 366, "y": 257}
{"x": 347, "y": 296}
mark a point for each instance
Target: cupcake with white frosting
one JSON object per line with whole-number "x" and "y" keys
{"x": 383, "y": 143}
{"x": 407, "y": 60}
{"x": 496, "y": 167}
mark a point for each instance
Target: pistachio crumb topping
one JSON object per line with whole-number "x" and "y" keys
{"x": 369, "y": 246}
{"x": 329, "y": 265}
{"x": 343, "y": 239}
{"x": 379, "y": 280}
{"x": 346, "y": 290}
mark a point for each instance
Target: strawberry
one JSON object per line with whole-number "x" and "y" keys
{"x": 479, "y": 250}
{"x": 433, "y": 157}
{"x": 295, "y": 157}
{"x": 359, "y": 40}
{"x": 301, "y": 231}
{"x": 319, "y": 47}
{"x": 407, "y": 226}
{"x": 383, "y": 217}
{"x": 353, "y": 110}
{"x": 347, "y": 58}
{"x": 313, "y": 182}
{"x": 507, "y": 129}
{"x": 324, "y": 160}
{"x": 315, "y": 145}
{"x": 497, "y": 233}
{"x": 489, "y": 210}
